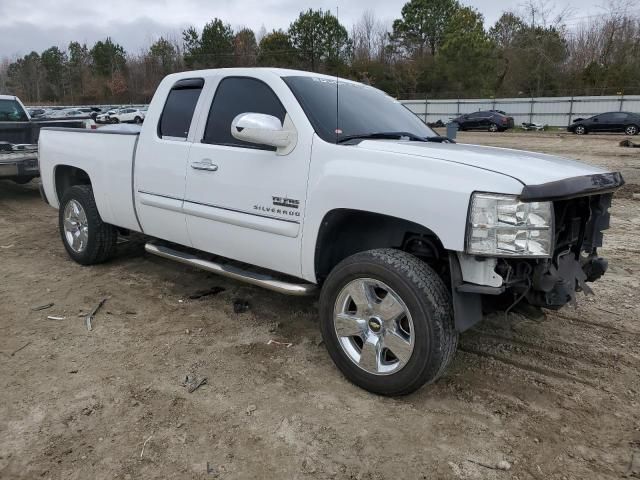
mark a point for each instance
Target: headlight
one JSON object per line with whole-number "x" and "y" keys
{"x": 503, "y": 226}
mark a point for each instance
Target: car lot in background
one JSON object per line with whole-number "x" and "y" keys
{"x": 490, "y": 120}
{"x": 616, "y": 122}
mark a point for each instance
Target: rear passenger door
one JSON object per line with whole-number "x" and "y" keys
{"x": 161, "y": 161}
{"x": 618, "y": 121}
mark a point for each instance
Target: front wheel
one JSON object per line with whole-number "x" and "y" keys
{"x": 580, "y": 130}
{"x": 87, "y": 239}
{"x": 631, "y": 130}
{"x": 138, "y": 120}
{"x": 387, "y": 321}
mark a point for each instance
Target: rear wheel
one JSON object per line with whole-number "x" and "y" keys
{"x": 631, "y": 130}
{"x": 494, "y": 127}
{"x": 580, "y": 130}
{"x": 87, "y": 239}
{"x": 387, "y": 321}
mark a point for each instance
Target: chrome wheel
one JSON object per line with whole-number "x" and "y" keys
{"x": 493, "y": 128}
{"x": 631, "y": 130}
{"x": 374, "y": 326}
{"x": 580, "y": 130}
{"x": 76, "y": 226}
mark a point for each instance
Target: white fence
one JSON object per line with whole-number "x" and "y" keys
{"x": 553, "y": 111}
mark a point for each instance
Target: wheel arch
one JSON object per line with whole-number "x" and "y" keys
{"x": 67, "y": 176}
{"x": 344, "y": 232}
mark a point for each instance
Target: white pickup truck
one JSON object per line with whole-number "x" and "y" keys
{"x": 294, "y": 181}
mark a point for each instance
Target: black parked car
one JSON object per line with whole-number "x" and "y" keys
{"x": 622, "y": 122}
{"x": 491, "y": 120}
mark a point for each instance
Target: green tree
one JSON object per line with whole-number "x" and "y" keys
{"x": 216, "y": 44}
{"x": 423, "y": 25}
{"x": 276, "y": 50}
{"x": 245, "y": 48}
{"x": 467, "y": 56}
{"x": 320, "y": 39}
{"x": 163, "y": 54}
{"x": 79, "y": 69}
{"x": 54, "y": 62}
{"x": 108, "y": 57}
{"x": 191, "y": 45}
{"x": 211, "y": 49}
{"x": 26, "y": 77}
{"x": 507, "y": 30}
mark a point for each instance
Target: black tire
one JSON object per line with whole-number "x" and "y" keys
{"x": 494, "y": 128}
{"x": 631, "y": 130}
{"x": 115, "y": 120}
{"x": 137, "y": 120}
{"x": 102, "y": 237}
{"x": 429, "y": 303}
{"x": 580, "y": 130}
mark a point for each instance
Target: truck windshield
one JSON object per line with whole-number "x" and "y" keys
{"x": 11, "y": 111}
{"x": 363, "y": 111}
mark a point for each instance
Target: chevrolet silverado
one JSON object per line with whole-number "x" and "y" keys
{"x": 299, "y": 182}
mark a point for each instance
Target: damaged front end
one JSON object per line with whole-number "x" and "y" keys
{"x": 554, "y": 282}
{"x": 482, "y": 284}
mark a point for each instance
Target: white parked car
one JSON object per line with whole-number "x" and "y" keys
{"x": 260, "y": 175}
{"x": 104, "y": 117}
{"x": 127, "y": 115}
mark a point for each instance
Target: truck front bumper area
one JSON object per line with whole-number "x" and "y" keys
{"x": 482, "y": 285}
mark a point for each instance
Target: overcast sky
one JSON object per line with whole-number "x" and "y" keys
{"x": 27, "y": 25}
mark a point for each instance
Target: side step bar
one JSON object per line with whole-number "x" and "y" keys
{"x": 258, "y": 279}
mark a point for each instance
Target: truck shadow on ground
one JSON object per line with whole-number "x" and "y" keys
{"x": 12, "y": 191}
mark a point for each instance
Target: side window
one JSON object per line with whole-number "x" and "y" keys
{"x": 236, "y": 95}
{"x": 179, "y": 107}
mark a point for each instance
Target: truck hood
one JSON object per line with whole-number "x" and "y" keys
{"x": 527, "y": 167}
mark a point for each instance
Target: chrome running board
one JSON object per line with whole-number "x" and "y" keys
{"x": 258, "y": 279}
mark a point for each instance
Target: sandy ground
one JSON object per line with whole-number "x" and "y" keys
{"x": 557, "y": 399}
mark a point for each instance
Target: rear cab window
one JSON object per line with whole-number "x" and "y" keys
{"x": 177, "y": 114}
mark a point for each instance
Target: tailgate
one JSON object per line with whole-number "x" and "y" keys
{"x": 17, "y": 132}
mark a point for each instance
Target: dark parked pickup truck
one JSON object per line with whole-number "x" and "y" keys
{"x": 19, "y": 138}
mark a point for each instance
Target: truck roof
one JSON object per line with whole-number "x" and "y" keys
{"x": 281, "y": 72}
{"x": 8, "y": 97}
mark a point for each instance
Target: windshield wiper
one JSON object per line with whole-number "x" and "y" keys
{"x": 395, "y": 135}
{"x": 439, "y": 139}
{"x": 382, "y": 135}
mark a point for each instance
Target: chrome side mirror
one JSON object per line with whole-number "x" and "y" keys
{"x": 263, "y": 129}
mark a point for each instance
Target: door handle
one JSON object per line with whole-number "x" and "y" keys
{"x": 205, "y": 164}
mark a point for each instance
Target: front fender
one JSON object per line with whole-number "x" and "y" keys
{"x": 429, "y": 192}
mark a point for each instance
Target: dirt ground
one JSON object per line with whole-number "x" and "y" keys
{"x": 558, "y": 399}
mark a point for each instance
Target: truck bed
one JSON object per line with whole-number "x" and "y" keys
{"x": 107, "y": 155}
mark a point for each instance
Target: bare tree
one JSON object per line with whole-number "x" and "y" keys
{"x": 369, "y": 36}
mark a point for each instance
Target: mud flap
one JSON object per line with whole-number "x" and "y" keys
{"x": 467, "y": 307}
